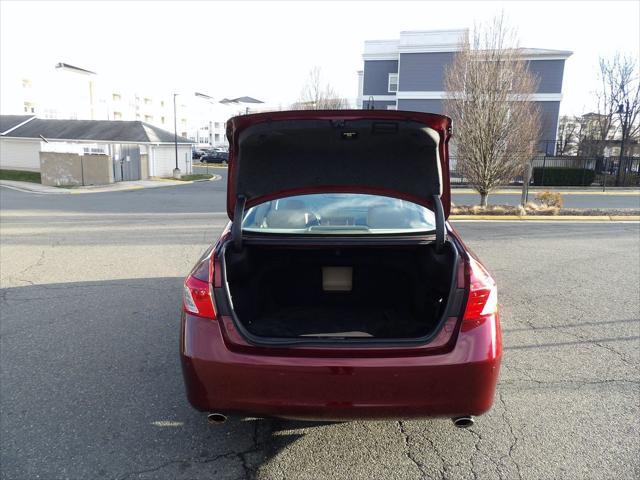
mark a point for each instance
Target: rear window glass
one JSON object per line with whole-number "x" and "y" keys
{"x": 338, "y": 213}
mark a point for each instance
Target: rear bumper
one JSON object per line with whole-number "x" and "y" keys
{"x": 459, "y": 382}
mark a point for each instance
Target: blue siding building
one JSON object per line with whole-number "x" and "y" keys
{"x": 408, "y": 74}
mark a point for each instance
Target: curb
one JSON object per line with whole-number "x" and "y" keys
{"x": 109, "y": 190}
{"x": 20, "y": 188}
{"x": 553, "y": 218}
{"x": 101, "y": 189}
{"x": 220, "y": 167}
{"x": 214, "y": 177}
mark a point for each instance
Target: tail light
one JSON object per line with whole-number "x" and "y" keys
{"x": 483, "y": 293}
{"x": 197, "y": 297}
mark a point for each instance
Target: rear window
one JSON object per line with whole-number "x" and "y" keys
{"x": 338, "y": 213}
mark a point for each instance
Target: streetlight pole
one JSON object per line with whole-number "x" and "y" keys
{"x": 176, "y": 171}
{"x": 624, "y": 114}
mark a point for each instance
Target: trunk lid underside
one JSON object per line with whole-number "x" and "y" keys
{"x": 396, "y": 154}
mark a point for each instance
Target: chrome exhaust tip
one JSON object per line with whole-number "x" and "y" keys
{"x": 216, "y": 418}
{"x": 465, "y": 421}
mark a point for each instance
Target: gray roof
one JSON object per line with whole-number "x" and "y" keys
{"x": 72, "y": 67}
{"x": 545, "y": 52}
{"x": 94, "y": 130}
{"x": 241, "y": 100}
{"x": 7, "y": 122}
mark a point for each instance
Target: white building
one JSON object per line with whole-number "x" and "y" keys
{"x": 71, "y": 92}
{"x": 137, "y": 150}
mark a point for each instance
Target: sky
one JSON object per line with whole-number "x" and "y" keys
{"x": 266, "y": 49}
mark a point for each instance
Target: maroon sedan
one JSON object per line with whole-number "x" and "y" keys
{"x": 339, "y": 290}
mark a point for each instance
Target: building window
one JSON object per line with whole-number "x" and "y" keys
{"x": 147, "y": 101}
{"x": 392, "y": 107}
{"x": 148, "y": 118}
{"x": 94, "y": 149}
{"x": 162, "y": 103}
{"x": 137, "y": 116}
{"x": 217, "y": 136}
{"x": 393, "y": 82}
{"x": 116, "y": 97}
{"x": 26, "y": 83}
{"x": 29, "y": 107}
{"x": 162, "y": 120}
{"x": 117, "y": 116}
{"x": 217, "y": 125}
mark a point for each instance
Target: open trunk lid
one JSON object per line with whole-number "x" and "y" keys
{"x": 391, "y": 153}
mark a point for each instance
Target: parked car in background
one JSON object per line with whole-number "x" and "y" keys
{"x": 197, "y": 154}
{"x": 215, "y": 156}
{"x": 339, "y": 290}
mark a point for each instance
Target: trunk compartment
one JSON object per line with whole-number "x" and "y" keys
{"x": 340, "y": 293}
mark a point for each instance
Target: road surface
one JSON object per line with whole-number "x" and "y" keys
{"x": 92, "y": 387}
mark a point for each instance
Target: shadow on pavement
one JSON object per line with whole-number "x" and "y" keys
{"x": 92, "y": 388}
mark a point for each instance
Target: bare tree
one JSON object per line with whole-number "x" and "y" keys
{"x": 316, "y": 96}
{"x": 489, "y": 92}
{"x": 568, "y": 135}
{"x": 599, "y": 127}
{"x": 620, "y": 84}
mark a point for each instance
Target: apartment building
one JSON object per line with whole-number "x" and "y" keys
{"x": 407, "y": 73}
{"x": 73, "y": 93}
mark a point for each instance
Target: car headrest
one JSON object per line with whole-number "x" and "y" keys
{"x": 287, "y": 218}
{"x": 383, "y": 216}
{"x": 291, "y": 204}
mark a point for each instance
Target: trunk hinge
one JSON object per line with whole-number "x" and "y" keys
{"x": 439, "y": 211}
{"x": 236, "y": 227}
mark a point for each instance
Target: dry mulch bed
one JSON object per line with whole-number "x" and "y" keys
{"x": 536, "y": 209}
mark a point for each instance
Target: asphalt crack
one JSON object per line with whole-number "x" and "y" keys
{"x": 257, "y": 446}
{"x": 584, "y": 338}
{"x": 476, "y": 445}
{"x": 442, "y": 469}
{"x": 176, "y": 462}
{"x": 18, "y": 276}
{"x": 249, "y": 472}
{"x": 408, "y": 452}
{"x": 514, "y": 443}
{"x": 577, "y": 383}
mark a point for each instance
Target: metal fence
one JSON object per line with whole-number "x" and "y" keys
{"x": 551, "y": 170}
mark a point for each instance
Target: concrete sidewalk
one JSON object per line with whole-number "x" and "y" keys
{"x": 38, "y": 188}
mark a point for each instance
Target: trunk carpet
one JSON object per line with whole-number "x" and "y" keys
{"x": 337, "y": 321}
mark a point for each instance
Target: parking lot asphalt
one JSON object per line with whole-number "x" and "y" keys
{"x": 90, "y": 381}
